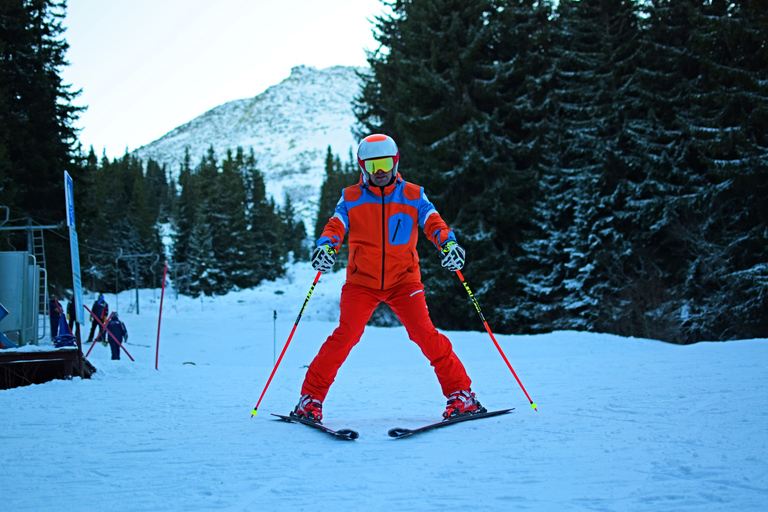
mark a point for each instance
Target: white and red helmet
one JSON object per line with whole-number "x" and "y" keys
{"x": 378, "y": 152}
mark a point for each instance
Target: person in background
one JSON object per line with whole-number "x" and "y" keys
{"x": 55, "y": 312}
{"x": 100, "y": 308}
{"x": 117, "y": 328}
{"x": 381, "y": 215}
{"x": 71, "y": 316}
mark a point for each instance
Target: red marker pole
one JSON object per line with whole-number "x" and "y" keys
{"x": 485, "y": 323}
{"x": 160, "y": 316}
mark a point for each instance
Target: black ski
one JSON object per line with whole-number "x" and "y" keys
{"x": 345, "y": 434}
{"x": 397, "y": 433}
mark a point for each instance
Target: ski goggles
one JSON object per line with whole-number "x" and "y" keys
{"x": 375, "y": 165}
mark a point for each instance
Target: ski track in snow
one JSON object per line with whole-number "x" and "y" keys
{"x": 623, "y": 424}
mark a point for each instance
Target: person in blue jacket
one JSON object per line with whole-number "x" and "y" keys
{"x": 101, "y": 310}
{"x": 117, "y": 328}
{"x": 55, "y": 311}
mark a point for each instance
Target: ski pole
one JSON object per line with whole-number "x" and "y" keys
{"x": 487, "y": 328}
{"x": 296, "y": 324}
{"x": 108, "y": 332}
{"x": 100, "y": 332}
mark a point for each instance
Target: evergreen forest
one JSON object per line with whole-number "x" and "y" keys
{"x": 222, "y": 231}
{"x": 604, "y": 162}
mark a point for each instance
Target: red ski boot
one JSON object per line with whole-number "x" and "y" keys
{"x": 461, "y": 403}
{"x": 309, "y": 408}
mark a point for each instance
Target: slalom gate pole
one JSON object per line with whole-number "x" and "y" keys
{"x": 107, "y": 331}
{"x": 296, "y": 324}
{"x": 100, "y": 330}
{"x": 160, "y": 315}
{"x": 487, "y": 328}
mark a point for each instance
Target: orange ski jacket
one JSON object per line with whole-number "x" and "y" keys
{"x": 382, "y": 224}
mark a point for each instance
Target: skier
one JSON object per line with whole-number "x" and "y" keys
{"x": 100, "y": 309}
{"x": 381, "y": 213}
{"x": 117, "y": 328}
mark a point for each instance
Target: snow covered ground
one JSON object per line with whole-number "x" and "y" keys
{"x": 623, "y": 424}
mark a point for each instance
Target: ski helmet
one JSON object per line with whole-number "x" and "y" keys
{"x": 377, "y": 146}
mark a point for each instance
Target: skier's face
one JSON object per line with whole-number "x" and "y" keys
{"x": 381, "y": 178}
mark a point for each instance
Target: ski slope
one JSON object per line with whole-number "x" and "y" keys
{"x": 622, "y": 424}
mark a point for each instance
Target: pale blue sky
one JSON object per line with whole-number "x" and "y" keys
{"x": 148, "y": 66}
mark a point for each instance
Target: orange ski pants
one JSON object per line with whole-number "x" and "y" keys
{"x": 408, "y": 303}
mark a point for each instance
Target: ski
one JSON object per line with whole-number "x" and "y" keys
{"x": 345, "y": 434}
{"x": 398, "y": 433}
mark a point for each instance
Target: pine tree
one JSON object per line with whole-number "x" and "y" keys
{"x": 214, "y": 213}
{"x": 172, "y": 200}
{"x": 328, "y": 195}
{"x": 99, "y": 229}
{"x": 87, "y": 212}
{"x": 157, "y": 190}
{"x": 233, "y": 243}
{"x": 436, "y": 91}
{"x": 37, "y": 138}
{"x": 263, "y": 224}
{"x": 144, "y": 228}
{"x": 184, "y": 223}
{"x": 203, "y": 270}
{"x": 725, "y": 280}
{"x": 293, "y": 233}
{"x": 573, "y": 259}
{"x": 654, "y": 195}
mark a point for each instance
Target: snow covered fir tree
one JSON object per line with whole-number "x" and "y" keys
{"x": 224, "y": 232}
{"x": 604, "y": 163}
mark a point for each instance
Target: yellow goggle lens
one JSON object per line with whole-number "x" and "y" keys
{"x": 379, "y": 164}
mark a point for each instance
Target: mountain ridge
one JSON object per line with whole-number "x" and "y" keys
{"x": 289, "y": 126}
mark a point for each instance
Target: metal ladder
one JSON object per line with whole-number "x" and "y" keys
{"x": 38, "y": 250}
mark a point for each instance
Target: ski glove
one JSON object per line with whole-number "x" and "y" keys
{"x": 452, "y": 256}
{"x": 323, "y": 258}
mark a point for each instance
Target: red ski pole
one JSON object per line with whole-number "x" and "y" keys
{"x": 111, "y": 335}
{"x": 296, "y": 324}
{"x": 485, "y": 323}
{"x": 100, "y": 331}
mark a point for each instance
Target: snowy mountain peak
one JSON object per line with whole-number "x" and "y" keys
{"x": 289, "y": 126}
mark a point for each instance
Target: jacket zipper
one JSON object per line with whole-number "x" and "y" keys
{"x": 383, "y": 236}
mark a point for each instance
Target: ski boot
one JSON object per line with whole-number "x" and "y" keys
{"x": 461, "y": 403}
{"x": 309, "y": 408}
